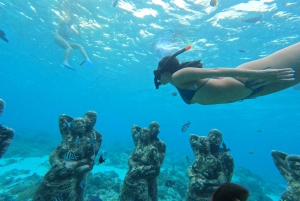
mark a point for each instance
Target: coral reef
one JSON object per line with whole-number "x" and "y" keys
{"x": 107, "y": 185}
{"x": 255, "y": 183}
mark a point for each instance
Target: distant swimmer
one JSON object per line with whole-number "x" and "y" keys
{"x": 253, "y": 19}
{"x": 66, "y": 30}
{"x": 2, "y": 36}
{"x": 115, "y": 3}
{"x": 213, "y": 3}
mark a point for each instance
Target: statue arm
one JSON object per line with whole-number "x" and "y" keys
{"x": 228, "y": 167}
{"x": 99, "y": 142}
{"x": 194, "y": 143}
{"x": 147, "y": 171}
{"x": 135, "y": 134}
{"x": 280, "y": 163}
{"x": 221, "y": 173}
{"x": 162, "y": 152}
{"x": 87, "y": 164}
{"x": 63, "y": 124}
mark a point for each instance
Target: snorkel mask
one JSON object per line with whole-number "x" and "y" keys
{"x": 158, "y": 72}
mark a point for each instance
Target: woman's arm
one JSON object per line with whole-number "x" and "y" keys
{"x": 191, "y": 74}
{"x": 63, "y": 121}
{"x": 76, "y": 30}
{"x": 194, "y": 143}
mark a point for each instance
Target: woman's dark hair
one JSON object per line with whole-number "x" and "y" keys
{"x": 173, "y": 65}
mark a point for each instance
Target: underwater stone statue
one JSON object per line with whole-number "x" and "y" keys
{"x": 71, "y": 160}
{"x": 206, "y": 174}
{"x": 215, "y": 139}
{"x": 154, "y": 128}
{"x": 6, "y": 133}
{"x": 289, "y": 167}
{"x": 140, "y": 183}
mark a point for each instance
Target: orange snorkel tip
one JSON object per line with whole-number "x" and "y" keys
{"x": 187, "y": 47}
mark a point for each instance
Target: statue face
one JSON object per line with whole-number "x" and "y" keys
{"x": 215, "y": 138}
{"x": 78, "y": 125}
{"x": 294, "y": 164}
{"x": 204, "y": 143}
{"x": 154, "y": 128}
{"x": 90, "y": 119}
{"x": 145, "y": 134}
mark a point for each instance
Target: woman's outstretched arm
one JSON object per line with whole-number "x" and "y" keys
{"x": 187, "y": 75}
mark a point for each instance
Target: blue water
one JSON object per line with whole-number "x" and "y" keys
{"x": 125, "y": 44}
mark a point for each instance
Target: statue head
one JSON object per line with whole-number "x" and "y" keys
{"x": 215, "y": 137}
{"x": 90, "y": 118}
{"x": 154, "y": 128}
{"x": 293, "y": 162}
{"x": 2, "y": 105}
{"x": 78, "y": 126}
{"x": 145, "y": 135}
{"x": 204, "y": 144}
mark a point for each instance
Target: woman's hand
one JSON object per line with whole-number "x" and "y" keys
{"x": 268, "y": 76}
{"x": 274, "y": 75}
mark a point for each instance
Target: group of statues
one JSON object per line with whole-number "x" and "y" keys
{"x": 74, "y": 157}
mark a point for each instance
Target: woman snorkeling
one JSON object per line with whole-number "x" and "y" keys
{"x": 195, "y": 84}
{"x": 66, "y": 30}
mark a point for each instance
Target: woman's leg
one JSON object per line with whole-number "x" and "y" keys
{"x": 78, "y": 46}
{"x": 64, "y": 44}
{"x": 288, "y": 57}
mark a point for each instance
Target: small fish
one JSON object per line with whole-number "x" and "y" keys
{"x": 241, "y": 50}
{"x": 94, "y": 198}
{"x": 253, "y": 19}
{"x": 224, "y": 145}
{"x": 77, "y": 140}
{"x": 115, "y": 3}
{"x": 187, "y": 159}
{"x": 70, "y": 156}
{"x": 224, "y": 149}
{"x": 230, "y": 191}
{"x": 82, "y": 184}
{"x": 101, "y": 160}
{"x": 58, "y": 198}
{"x": 251, "y": 152}
{"x": 213, "y": 3}
{"x": 92, "y": 141}
{"x": 169, "y": 183}
{"x": 259, "y": 131}
{"x": 173, "y": 93}
{"x": 185, "y": 126}
{"x": 2, "y": 36}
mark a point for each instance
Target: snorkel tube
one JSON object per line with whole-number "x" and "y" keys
{"x": 157, "y": 73}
